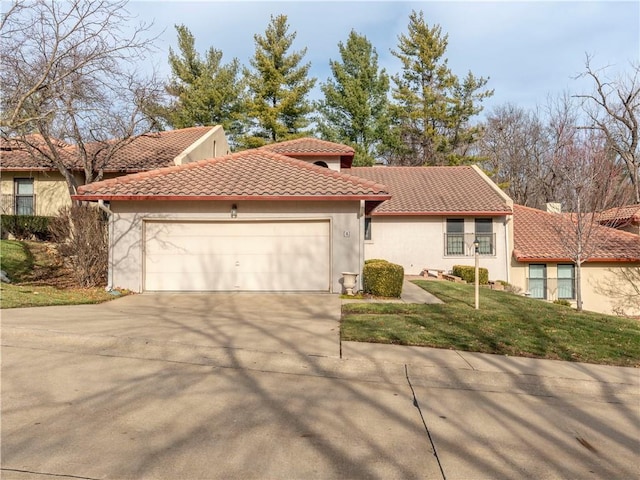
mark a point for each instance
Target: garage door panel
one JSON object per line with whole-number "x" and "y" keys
{"x": 251, "y": 256}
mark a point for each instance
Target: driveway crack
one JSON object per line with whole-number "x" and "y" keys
{"x": 424, "y": 423}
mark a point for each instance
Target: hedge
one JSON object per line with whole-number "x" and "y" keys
{"x": 382, "y": 278}
{"x": 24, "y": 227}
{"x": 468, "y": 273}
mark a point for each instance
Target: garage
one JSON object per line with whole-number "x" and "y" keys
{"x": 195, "y": 256}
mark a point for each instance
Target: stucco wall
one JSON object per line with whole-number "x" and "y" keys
{"x": 603, "y": 285}
{"x": 418, "y": 242}
{"x": 49, "y": 187}
{"x": 333, "y": 162}
{"x": 213, "y": 144}
{"x": 126, "y": 231}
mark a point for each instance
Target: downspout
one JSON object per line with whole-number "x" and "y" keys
{"x": 107, "y": 210}
{"x": 361, "y": 215}
{"x": 506, "y": 246}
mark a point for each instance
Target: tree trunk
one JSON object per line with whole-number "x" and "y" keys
{"x": 579, "y": 286}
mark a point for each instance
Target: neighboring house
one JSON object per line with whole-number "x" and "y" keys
{"x": 252, "y": 221}
{"x": 625, "y": 218}
{"x": 542, "y": 268}
{"x": 32, "y": 186}
{"x": 434, "y": 216}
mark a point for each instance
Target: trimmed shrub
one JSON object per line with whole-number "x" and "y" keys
{"x": 374, "y": 260}
{"x": 382, "y": 278}
{"x": 25, "y": 227}
{"x": 468, "y": 274}
{"x": 562, "y": 301}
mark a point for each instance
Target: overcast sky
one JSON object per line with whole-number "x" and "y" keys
{"x": 529, "y": 50}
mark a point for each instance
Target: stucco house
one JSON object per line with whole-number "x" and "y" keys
{"x": 256, "y": 220}
{"x": 293, "y": 216}
{"x": 32, "y": 186}
{"x": 542, "y": 269}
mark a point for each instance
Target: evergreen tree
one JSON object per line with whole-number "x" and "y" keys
{"x": 433, "y": 108}
{"x": 355, "y": 109}
{"x": 205, "y": 91}
{"x": 277, "y": 107}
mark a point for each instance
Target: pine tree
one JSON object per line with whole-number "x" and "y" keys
{"x": 355, "y": 109}
{"x": 433, "y": 108}
{"x": 277, "y": 107}
{"x": 206, "y": 91}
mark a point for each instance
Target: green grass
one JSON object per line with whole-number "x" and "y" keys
{"x": 21, "y": 260}
{"x": 506, "y": 324}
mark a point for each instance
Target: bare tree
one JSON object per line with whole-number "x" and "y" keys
{"x": 614, "y": 109}
{"x": 593, "y": 184}
{"x": 68, "y": 73}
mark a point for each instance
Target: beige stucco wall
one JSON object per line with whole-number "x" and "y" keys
{"x": 126, "y": 231}
{"x": 213, "y": 144}
{"x": 49, "y": 187}
{"x": 418, "y": 242}
{"x": 598, "y": 281}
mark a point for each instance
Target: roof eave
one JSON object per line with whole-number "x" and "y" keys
{"x": 443, "y": 213}
{"x": 528, "y": 259}
{"x": 279, "y": 198}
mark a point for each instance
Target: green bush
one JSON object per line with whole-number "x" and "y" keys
{"x": 382, "y": 278}
{"x": 375, "y": 260}
{"x": 562, "y": 301}
{"x": 24, "y": 227}
{"x": 468, "y": 274}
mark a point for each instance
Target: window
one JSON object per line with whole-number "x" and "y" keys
{"x": 484, "y": 235}
{"x": 538, "y": 281}
{"x": 566, "y": 281}
{"x": 367, "y": 228}
{"x": 455, "y": 236}
{"x": 24, "y": 204}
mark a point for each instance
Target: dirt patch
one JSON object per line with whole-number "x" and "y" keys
{"x": 49, "y": 268}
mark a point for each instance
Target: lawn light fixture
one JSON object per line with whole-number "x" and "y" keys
{"x": 476, "y": 246}
{"x": 234, "y": 211}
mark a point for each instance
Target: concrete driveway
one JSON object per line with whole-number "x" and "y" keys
{"x": 305, "y": 324}
{"x": 253, "y": 386}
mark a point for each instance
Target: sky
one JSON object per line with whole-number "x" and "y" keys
{"x": 529, "y": 50}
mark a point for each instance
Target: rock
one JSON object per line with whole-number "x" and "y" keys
{"x": 3, "y": 277}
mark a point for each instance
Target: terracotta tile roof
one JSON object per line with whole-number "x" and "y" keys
{"x": 538, "y": 237}
{"x": 313, "y": 147}
{"x": 14, "y": 154}
{"x": 435, "y": 191}
{"x": 621, "y": 215}
{"x": 309, "y": 146}
{"x": 145, "y": 152}
{"x": 251, "y": 174}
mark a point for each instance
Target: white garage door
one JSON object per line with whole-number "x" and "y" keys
{"x": 244, "y": 256}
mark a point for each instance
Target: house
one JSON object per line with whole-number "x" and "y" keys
{"x": 33, "y": 186}
{"x": 625, "y": 218}
{"x": 256, "y": 220}
{"x": 434, "y": 216}
{"x": 292, "y": 216}
{"x": 541, "y": 267}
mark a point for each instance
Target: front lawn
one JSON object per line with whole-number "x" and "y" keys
{"x": 39, "y": 278}
{"x": 506, "y": 324}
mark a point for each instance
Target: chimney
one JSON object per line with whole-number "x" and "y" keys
{"x": 554, "y": 207}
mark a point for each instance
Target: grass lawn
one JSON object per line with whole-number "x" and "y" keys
{"x": 506, "y": 324}
{"x": 39, "y": 278}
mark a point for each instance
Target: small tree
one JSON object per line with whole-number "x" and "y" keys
{"x": 593, "y": 186}
{"x": 277, "y": 107}
{"x": 355, "y": 109}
